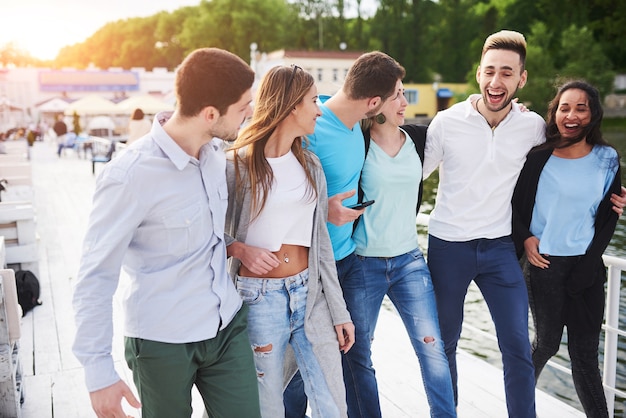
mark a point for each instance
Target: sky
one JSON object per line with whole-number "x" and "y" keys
{"x": 43, "y": 27}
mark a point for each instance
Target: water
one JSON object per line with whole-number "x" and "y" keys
{"x": 552, "y": 381}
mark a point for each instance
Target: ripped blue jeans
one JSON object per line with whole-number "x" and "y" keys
{"x": 275, "y": 319}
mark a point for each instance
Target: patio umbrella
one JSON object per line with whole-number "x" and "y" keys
{"x": 149, "y": 104}
{"x": 92, "y": 105}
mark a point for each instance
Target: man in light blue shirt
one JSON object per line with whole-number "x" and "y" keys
{"x": 158, "y": 211}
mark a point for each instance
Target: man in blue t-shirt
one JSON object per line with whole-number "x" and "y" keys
{"x": 338, "y": 142}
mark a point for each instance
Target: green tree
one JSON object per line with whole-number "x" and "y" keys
{"x": 456, "y": 28}
{"x": 582, "y": 57}
{"x": 540, "y": 65}
{"x": 234, "y": 24}
{"x": 608, "y": 22}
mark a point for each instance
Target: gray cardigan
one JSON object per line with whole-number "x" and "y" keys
{"x": 325, "y": 305}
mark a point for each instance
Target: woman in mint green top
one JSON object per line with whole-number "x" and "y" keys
{"x": 387, "y": 246}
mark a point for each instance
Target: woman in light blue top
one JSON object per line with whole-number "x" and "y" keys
{"x": 387, "y": 246}
{"x": 563, "y": 220}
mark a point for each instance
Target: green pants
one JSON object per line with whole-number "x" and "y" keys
{"x": 222, "y": 369}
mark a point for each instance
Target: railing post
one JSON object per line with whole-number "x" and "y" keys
{"x": 610, "y": 340}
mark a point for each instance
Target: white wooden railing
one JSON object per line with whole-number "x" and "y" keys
{"x": 615, "y": 267}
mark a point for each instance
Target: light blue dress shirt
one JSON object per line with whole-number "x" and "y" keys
{"x": 159, "y": 213}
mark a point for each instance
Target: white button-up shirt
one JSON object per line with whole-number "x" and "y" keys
{"x": 478, "y": 169}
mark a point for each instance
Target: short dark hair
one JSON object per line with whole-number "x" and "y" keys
{"x": 211, "y": 77}
{"x": 508, "y": 40}
{"x": 138, "y": 114}
{"x": 373, "y": 74}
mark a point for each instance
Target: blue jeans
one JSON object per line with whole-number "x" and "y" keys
{"x": 406, "y": 280}
{"x": 276, "y": 318}
{"x": 358, "y": 374}
{"x": 494, "y": 267}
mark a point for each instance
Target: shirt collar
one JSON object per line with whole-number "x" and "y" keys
{"x": 170, "y": 148}
{"x": 471, "y": 110}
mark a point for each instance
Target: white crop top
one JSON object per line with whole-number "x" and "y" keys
{"x": 287, "y": 217}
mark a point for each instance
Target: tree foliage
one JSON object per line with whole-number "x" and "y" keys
{"x": 430, "y": 38}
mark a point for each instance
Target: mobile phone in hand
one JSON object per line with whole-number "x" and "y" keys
{"x": 361, "y": 205}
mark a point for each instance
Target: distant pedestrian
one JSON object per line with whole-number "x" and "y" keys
{"x": 138, "y": 126}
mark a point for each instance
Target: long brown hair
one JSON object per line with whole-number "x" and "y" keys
{"x": 281, "y": 89}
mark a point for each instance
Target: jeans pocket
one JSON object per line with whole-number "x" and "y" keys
{"x": 249, "y": 296}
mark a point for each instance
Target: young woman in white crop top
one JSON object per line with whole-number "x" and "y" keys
{"x": 280, "y": 253}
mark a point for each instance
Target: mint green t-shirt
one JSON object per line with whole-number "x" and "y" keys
{"x": 387, "y": 228}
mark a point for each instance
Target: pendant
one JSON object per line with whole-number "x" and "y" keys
{"x": 285, "y": 258}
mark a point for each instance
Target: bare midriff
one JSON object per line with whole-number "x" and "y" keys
{"x": 293, "y": 260}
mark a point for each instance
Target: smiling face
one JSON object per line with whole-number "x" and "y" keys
{"x": 395, "y": 107}
{"x": 307, "y": 111}
{"x": 573, "y": 113}
{"x": 499, "y": 76}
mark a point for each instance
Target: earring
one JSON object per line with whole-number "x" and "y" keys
{"x": 380, "y": 119}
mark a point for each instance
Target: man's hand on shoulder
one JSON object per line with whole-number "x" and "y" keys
{"x": 107, "y": 402}
{"x": 619, "y": 201}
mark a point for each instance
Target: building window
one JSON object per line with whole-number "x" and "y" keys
{"x": 335, "y": 75}
{"x": 411, "y": 96}
{"x": 320, "y": 71}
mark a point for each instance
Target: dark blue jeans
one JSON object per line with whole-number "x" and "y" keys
{"x": 492, "y": 264}
{"x": 547, "y": 295}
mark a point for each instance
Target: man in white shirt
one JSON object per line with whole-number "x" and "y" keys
{"x": 159, "y": 212}
{"x": 480, "y": 148}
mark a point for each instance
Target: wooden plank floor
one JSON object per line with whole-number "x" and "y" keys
{"x": 53, "y": 382}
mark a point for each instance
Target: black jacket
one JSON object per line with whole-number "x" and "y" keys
{"x": 590, "y": 272}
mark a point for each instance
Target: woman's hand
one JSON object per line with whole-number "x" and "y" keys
{"x": 531, "y": 245}
{"x": 345, "y": 336}
{"x": 258, "y": 260}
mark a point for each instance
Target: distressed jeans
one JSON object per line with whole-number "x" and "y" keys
{"x": 547, "y": 294}
{"x": 406, "y": 280}
{"x": 276, "y": 318}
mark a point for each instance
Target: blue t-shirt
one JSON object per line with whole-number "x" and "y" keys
{"x": 342, "y": 152}
{"x": 568, "y": 195}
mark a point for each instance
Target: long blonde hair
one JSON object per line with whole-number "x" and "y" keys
{"x": 280, "y": 90}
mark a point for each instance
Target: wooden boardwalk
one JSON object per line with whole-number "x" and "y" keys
{"x": 53, "y": 378}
